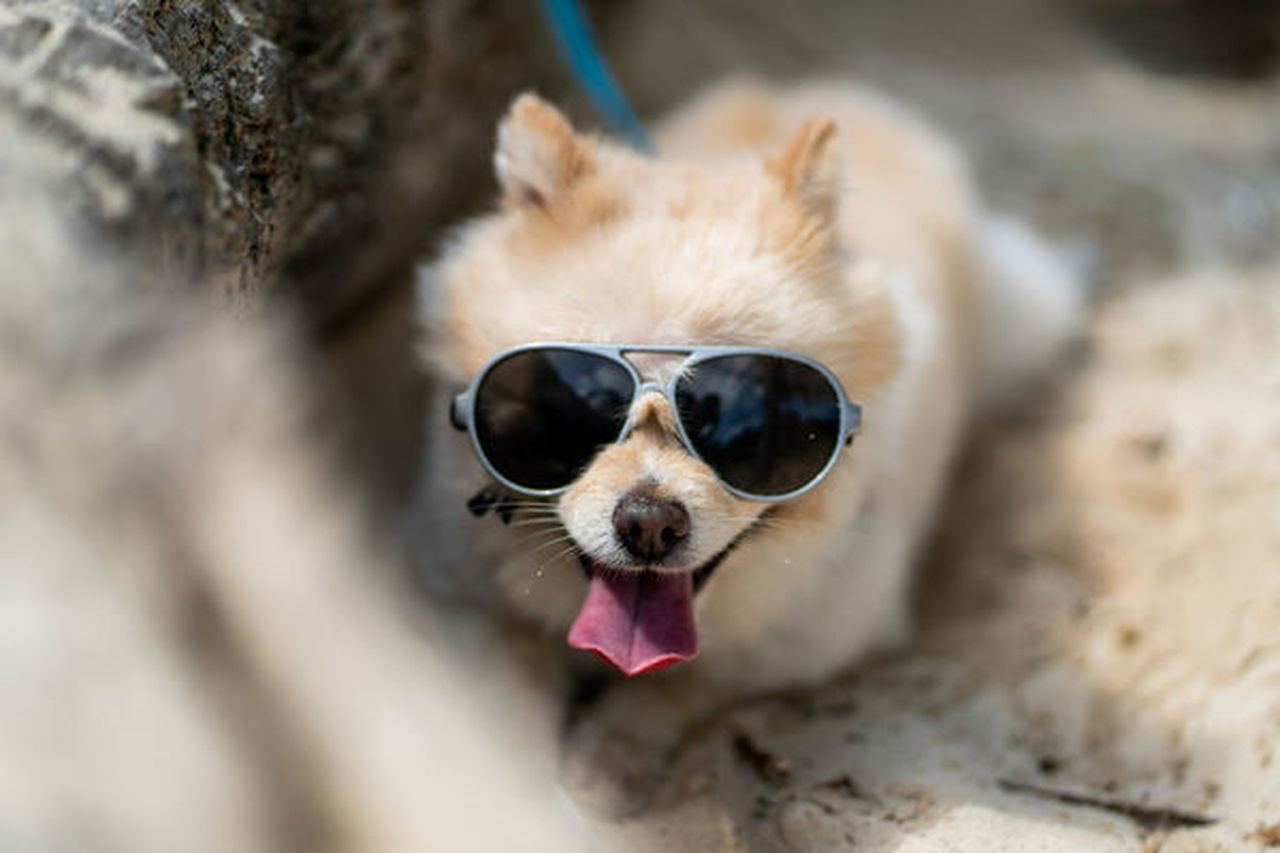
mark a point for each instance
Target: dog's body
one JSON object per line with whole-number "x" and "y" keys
{"x": 859, "y": 248}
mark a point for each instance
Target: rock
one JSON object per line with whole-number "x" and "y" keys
{"x": 98, "y": 124}
{"x": 203, "y": 642}
{"x": 307, "y": 149}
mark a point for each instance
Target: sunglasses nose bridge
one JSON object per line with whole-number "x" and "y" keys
{"x": 651, "y": 410}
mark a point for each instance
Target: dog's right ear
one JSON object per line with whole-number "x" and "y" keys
{"x": 538, "y": 154}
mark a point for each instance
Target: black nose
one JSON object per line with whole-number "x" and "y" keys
{"x": 648, "y": 527}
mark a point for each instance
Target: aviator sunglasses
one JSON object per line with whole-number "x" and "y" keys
{"x": 769, "y": 423}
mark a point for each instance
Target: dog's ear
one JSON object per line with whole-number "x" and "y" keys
{"x": 538, "y": 154}
{"x": 808, "y": 168}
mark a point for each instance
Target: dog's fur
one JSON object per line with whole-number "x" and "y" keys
{"x": 823, "y": 220}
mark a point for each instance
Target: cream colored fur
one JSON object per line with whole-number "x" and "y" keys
{"x": 851, "y": 237}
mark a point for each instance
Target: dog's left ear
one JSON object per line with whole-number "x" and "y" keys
{"x": 808, "y": 168}
{"x": 538, "y": 154}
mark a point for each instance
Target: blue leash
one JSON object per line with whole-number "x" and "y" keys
{"x": 573, "y": 34}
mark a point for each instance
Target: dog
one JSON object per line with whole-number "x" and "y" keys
{"x": 819, "y": 227}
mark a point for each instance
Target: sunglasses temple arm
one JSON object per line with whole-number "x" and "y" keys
{"x": 853, "y": 421}
{"x": 458, "y": 411}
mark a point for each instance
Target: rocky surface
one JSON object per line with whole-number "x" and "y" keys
{"x": 99, "y": 124}
{"x": 310, "y": 149}
{"x": 205, "y": 644}
{"x": 165, "y": 683}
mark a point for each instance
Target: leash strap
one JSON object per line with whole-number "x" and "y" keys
{"x": 573, "y": 34}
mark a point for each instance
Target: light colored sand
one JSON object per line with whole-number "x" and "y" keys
{"x": 1101, "y": 618}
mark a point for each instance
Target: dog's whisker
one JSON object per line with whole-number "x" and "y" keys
{"x": 529, "y": 537}
{"x": 536, "y": 522}
{"x": 536, "y": 540}
{"x": 535, "y": 512}
{"x": 514, "y": 503}
{"x": 536, "y": 531}
{"x": 539, "y": 538}
{"x": 558, "y": 541}
{"x": 539, "y": 531}
{"x": 537, "y": 556}
{"x": 786, "y": 525}
{"x": 567, "y": 551}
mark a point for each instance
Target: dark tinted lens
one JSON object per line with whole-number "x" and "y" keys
{"x": 767, "y": 425}
{"x": 541, "y": 415}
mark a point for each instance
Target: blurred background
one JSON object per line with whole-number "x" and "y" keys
{"x": 210, "y": 415}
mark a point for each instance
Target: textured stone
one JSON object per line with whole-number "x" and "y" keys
{"x": 98, "y": 124}
{"x": 306, "y": 148}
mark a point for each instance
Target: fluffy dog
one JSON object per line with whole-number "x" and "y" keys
{"x": 822, "y": 220}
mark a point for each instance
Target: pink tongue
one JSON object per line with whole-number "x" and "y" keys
{"x": 637, "y": 621}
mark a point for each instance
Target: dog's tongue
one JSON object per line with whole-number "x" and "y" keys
{"x": 637, "y": 621}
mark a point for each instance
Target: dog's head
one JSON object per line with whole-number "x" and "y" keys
{"x": 595, "y": 243}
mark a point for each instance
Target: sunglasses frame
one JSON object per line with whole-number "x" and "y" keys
{"x": 462, "y": 408}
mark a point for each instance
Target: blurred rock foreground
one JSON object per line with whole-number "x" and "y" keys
{"x": 204, "y": 641}
{"x": 207, "y": 211}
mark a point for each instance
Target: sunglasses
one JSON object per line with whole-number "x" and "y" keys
{"x": 768, "y": 422}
